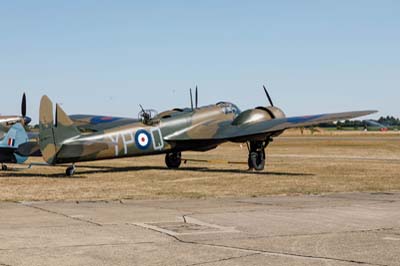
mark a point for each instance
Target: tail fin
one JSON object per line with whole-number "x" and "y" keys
{"x": 12, "y": 140}
{"x": 14, "y": 137}
{"x": 53, "y": 134}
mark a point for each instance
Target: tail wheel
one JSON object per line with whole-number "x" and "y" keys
{"x": 173, "y": 160}
{"x": 70, "y": 170}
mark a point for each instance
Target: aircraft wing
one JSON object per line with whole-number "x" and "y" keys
{"x": 99, "y": 122}
{"x": 10, "y": 119}
{"x": 267, "y": 127}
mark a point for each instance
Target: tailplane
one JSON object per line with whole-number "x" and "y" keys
{"x": 54, "y": 132}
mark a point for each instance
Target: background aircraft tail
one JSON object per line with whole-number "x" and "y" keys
{"x": 54, "y": 133}
{"x": 15, "y": 136}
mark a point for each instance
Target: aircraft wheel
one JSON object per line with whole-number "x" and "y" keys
{"x": 70, "y": 171}
{"x": 173, "y": 160}
{"x": 4, "y": 167}
{"x": 257, "y": 160}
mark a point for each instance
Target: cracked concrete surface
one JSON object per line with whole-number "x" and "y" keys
{"x": 337, "y": 229}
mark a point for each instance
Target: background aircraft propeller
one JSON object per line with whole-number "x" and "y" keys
{"x": 27, "y": 119}
{"x": 269, "y": 97}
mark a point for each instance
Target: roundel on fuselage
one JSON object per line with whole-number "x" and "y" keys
{"x": 142, "y": 139}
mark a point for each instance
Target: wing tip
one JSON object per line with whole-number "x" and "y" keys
{"x": 369, "y": 112}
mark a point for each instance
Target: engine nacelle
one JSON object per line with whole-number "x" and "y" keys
{"x": 258, "y": 114}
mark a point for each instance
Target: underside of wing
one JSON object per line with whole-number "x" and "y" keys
{"x": 248, "y": 131}
{"x": 99, "y": 123}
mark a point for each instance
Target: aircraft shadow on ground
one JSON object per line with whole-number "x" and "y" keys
{"x": 81, "y": 171}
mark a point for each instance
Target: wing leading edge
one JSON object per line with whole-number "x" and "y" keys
{"x": 231, "y": 132}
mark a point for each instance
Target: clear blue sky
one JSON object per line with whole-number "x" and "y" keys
{"x": 107, "y": 57}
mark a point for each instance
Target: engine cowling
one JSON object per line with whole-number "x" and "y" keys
{"x": 258, "y": 114}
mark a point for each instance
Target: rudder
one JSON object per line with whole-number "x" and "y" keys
{"x": 54, "y": 133}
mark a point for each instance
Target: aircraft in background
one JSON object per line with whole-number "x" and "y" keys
{"x": 171, "y": 132}
{"x": 6, "y": 122}
{"x": 372, "y": 124}
{"x": 15, "y": 136}
{"x": 375, "y": 125}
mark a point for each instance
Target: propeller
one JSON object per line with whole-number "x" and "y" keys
{"x": 27, "y": 119}
{"x": 197, "y": 97}
{"x": 23, "y": 106}
{"x": 191, "y": 98}
{"x": 269, "y": 97}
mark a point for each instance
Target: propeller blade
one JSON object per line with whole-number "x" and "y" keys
{"x": 197, "y": 98}
{"x": 269, "y": 97}
{"x": 23, "y": 106}
{"x": 191, "y": 98}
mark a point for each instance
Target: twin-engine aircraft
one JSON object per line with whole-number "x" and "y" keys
{"x": 65, "y": 139}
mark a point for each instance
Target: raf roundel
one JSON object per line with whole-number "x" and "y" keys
{"x": 142, "y": 139}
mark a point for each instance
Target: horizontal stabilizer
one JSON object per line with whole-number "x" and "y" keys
{"x": 84, "y": 148}
{"x": 29, "y": 149}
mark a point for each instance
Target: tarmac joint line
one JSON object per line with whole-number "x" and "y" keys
{"x": 252, "y": 252}
{"x": 60, "y": 214}
{"x": 224, "y": 259}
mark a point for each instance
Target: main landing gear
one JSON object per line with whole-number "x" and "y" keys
{"x": 173, "y": 160}
{"x": 70, "y": 170}
{"x": 4, "y": 167}
{"x": 257, "y": 156}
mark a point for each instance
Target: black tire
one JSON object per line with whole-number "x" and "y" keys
{"x": 250, "y": 164}
{"x": 173, "y": 160}
{"x": 257, "y": 160}
{"x": 4, "y": 167}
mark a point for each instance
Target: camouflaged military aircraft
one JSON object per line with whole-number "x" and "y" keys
{"x": 78, "y": 138}
{"x": 15, "y": 136}
{"x": 6, "y": 122}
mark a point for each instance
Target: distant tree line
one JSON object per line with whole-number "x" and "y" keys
{"x": 389, "y": 121}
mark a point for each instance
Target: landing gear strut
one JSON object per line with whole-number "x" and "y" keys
{"x": 70, "y": 170}
{"x": 173, "y": 160}
{"x": 4, "y": 167}
{"x": 257, "y": 156}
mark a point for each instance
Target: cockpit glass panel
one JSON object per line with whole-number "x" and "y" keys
{"x": 229, "y": 108}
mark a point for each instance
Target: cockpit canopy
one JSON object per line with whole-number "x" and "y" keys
{"x": 229, "y": 108}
